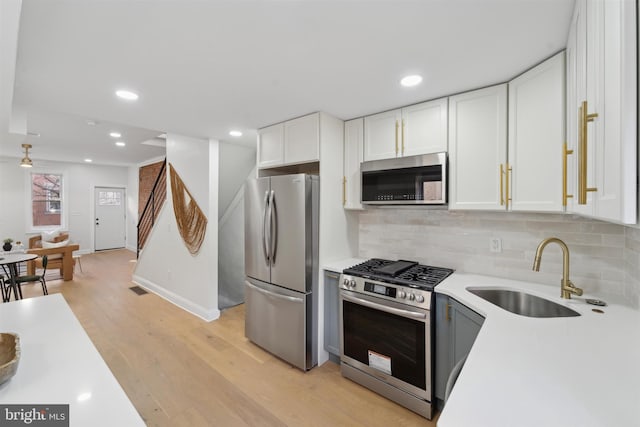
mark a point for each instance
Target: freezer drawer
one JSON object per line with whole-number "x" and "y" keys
{"x": 279, "y": 320}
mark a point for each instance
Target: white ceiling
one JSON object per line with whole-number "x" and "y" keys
{"x": 203, "y": 68}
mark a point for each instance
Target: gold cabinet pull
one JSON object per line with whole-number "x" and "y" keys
{"x": 397, "y": 125}
{"x": 501, "y": 184}
{"x": 565, "y": 153}
{"x": 403, "y": 137}
{"x": 507, "y": 187}
{"x": 583, "y": 118}
{"x": 446, "y": 311}
{"x": 344, "y": 190}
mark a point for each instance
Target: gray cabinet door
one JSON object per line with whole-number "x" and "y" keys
{"x": 443, "y": 331}
{"x": 457, "y": 327}
{"x": 256, "y": 263}
{"x": 331, "y": 312}
{"x": 291, "y": 239}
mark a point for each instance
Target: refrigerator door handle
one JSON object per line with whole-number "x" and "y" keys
{"x": 265, "y": 247}
{"x": 274, "y": 294}
{"x": 273, "y": 227}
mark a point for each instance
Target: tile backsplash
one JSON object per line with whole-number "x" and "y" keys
{"x": 605, "y": 257}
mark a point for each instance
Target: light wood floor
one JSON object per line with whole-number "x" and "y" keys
{"x": 181, "y": 371}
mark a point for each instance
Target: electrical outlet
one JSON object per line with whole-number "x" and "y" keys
{"x": 495, "y": 244}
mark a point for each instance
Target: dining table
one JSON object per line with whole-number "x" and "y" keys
{"x": 11, "y": 261}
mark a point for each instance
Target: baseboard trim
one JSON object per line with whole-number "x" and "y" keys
{"x": 177, "y": 300}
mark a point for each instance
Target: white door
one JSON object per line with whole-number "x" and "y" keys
{"x": 424, "y": 128}
{"x": 353, "y": 139}
{"x": 271, "y": 146}
{"x": 478, "y": 149}
{"x": 301, "y": 137}
{"x": 382, "y": 135}
{"x": 536, "y": 134}
{"x": 109, "y": 218}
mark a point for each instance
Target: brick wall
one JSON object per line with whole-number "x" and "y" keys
{"x": 147, "y": 177}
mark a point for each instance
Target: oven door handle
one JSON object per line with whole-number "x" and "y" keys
{"x": 391, "y": 310}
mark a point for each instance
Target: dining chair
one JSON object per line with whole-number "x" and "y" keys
{"x": 36, "y": 277}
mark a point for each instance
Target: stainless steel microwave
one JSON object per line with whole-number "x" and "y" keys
{"x": 413, "y": 180}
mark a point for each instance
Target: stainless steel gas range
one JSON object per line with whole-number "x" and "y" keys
{"x": 386, "y": 326}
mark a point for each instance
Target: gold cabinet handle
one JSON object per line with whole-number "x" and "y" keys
{"x": 344, "y": 190}
{"x": 501, "y": 184}
{"x": 397, "y": 125}
{"x": 403, "y": 137}
{"x": 583, "y": 118}
{"x": 446, "y": 311}
{"x": 565, "y": 153}
{"x": 507, "y": 186}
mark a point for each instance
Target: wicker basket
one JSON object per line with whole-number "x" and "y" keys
{"x": 9, "y": 355}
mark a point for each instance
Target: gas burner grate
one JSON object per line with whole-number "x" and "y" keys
{"x": 416, "y": 276}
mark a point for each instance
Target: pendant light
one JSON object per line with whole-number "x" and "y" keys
{"x": 26, "y": 161}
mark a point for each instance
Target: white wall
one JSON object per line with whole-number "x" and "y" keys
{"x": 165, "y": 266}
{"x": 80, "y": 180}
{"x": 133, "y": 181}
{"x": 236, "y": 163}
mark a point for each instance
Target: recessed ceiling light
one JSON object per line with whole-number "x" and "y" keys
{"x": 127, "y": 95}
{"x": 115, "y": 135}
{"x": 235, "y": 133}
{"x": 91, "y": 122}
{"x": 88, "y": 160}
{"x": 120, "y": 144}
{"x": 410, "y": 81}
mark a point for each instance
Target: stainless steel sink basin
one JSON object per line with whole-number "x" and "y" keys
{"x": 522, "y": 303}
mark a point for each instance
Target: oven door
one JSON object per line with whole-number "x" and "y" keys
{"x": 387, "y": 340}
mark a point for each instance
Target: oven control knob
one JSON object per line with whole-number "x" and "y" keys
{"x": 419, "y": 298}
{"x": 412, "y": 297}
{"x": 345, "y": 282}
{"x": 352, "y": 283}
{"x": 402, "y": 294}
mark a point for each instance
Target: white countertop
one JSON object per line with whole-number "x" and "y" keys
{"x": 521, "y": 371}
{"x": 341, "y": 264}
{"x": 60, "y": 365}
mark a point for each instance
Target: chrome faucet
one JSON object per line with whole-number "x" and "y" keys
{"x": 566, "y": 287}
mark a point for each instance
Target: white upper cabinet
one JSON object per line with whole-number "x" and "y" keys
{"x": 382, "y": 135}
{"x": 424, "y": 128}
{"x": 271, "y": 146}
{"x": 601, "y": 109}
{"x": 301, "y": 138}
{"x": 478, "y": 149}
{"x": 536, "y": 135}
{"x": 293, "y": 142}
{"x": 353, "y": 155}
{"x": 413, "y": 130}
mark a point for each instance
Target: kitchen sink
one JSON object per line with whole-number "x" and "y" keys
{"x": 522, "y": 303}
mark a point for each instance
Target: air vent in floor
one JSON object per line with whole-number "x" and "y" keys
{"x": 138, "y": 290}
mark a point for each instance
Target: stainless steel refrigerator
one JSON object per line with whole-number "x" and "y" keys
{"x": 281, "y": 266}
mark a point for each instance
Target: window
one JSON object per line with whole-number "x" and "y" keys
{"x": 46, "y": 199}
{"x": 111, "y": 198}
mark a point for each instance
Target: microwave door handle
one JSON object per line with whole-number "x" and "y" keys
{"x": 265, "y": 247}
{"x": 387, "y": 309}
{"x": 273, "y": 227}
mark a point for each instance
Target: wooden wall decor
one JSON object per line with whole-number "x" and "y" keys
{"x": 192, "y": 222}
